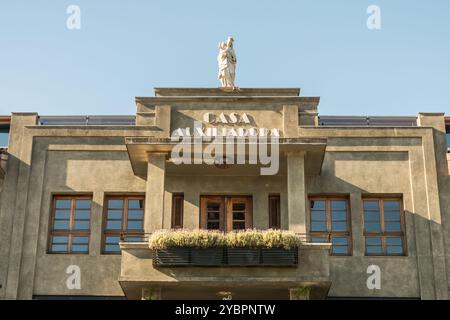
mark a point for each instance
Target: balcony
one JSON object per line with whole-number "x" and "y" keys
{"x": 202, "y": 273}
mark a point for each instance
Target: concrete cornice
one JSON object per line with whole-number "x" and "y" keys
{"x": 195, "y": 92}
{"x": 230, "y": 99}
{"x": 433, "y": 114}
{"x": 24, "y": 113}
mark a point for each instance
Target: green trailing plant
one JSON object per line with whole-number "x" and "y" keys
{"x": 212, "y": 239}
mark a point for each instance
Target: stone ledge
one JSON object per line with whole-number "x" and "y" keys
{"x": 144, "y": 245}
{"x": 253, "y": 92}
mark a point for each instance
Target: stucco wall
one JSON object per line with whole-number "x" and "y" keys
{"x": 358, "y": 161}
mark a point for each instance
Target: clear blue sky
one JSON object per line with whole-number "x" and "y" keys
{"x": 125, "y": 48}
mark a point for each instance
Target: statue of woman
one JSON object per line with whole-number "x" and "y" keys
{"x": 227, "y": 64}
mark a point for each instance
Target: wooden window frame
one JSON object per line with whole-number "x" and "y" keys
{"x": 225, "y": 216}
{"x": 248, "y": 216}
{"x": 278, "y": 217}
{"x": 69, "y": 233}
{"x": 123, "y": 232}
{"x": 176, "y": 196}
{"x": 329, "y": 233}
{"x": 385, "y": 234}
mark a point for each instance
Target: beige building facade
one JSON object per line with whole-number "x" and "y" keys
{"x": 370, "y": 197}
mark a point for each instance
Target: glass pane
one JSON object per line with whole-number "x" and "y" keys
{"x": 393, "y": 216}
{"x": 61, "y": 225}
{"x": 112, "y": 248}
{"x": 391, "y": 205}
{"x": 114, "y": 214}
{"x": 392, "y": 226}
{"x": 60, "y": 239}
{"x": 318, "y": 204}
{"x": 135, "y": 225}
{"x": 318, "y": 216}
{"x": 83, "y": 204}
{"x": 80, "y": 240}
{"x": 318, "y": 226}
{"x": 135, "y": 204}
{"x": 339, "y": 226}
{"x": 213, "y": 215}
{"x": 394, "y": 250}
{"x": 374, "y": 250}
{"x": 4, "y": 138}
{"x": 238, "y": 206}
{"x": 238, "y": 225}
{"x": 319, "y": 239}
{"x": 114, "y": 225}
{"x": 59, "y": 248}
{"x": 339, "y": 250}
{"x": 339, "y": 216}
{"x": 394, "y": 241}
{"x": 115, "y": 204}
{"x": 371, "y": 205}
{"x": 372, "y": 216}
{"x": 63, "y": 204}
{"x": 373, "y": 241}
{"x": 372, "y": 227}
{"x": 213, "y": 225}
{"x": 338, "y": 205}
{"x": 213, "y": 207}
{"x": 62, "y": 214}
{"x": 135, "y": 214}
{"x": 81, "y": 225}
{"x": 80, "y": 248}
{"x": 82, "y": 214}
{"x": 340, "y": 241}
{"x": 112, "y": 240}
{"x": 238, "y": 215}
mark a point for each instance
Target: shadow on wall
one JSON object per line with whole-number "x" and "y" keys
{"x": 24, "y": 223}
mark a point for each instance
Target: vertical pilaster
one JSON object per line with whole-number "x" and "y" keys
{"x": 154, "y": 198}
{"x": 14, "y": 203}
{"x": 357, "y": 220}
{"x": 95, "y": 241}
{"x": 296, "y": 190}
{"x": 433, "y": 153}
{"x": 290, "y": 121}
{"x": 191, "y": 212}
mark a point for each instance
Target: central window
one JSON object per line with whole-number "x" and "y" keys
{"x": 226, "y": 213}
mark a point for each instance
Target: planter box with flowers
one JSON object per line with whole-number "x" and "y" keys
{"x": 213, "y": 248}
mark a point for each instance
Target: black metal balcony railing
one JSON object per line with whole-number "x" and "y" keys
{"x": 225, "y": 257}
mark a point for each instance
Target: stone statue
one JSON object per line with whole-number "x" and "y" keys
{"x": 227, "y": 64}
